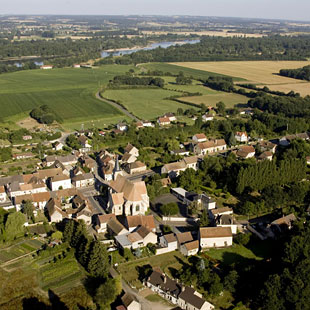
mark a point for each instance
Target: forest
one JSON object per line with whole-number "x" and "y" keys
{"x": 234, "y": 48}
{"x": 300, "y": 73}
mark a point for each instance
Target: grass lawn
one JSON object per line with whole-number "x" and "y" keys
{"x": 228, "y": 256}
{"x": 69, "y": 92}
{"x": 146, "y": 103}
{"x": 158, "y": 299}
{"x": 165, "y": 261}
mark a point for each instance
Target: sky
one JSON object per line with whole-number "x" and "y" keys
{"x": 269, "y": 9}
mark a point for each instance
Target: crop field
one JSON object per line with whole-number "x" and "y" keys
{"x": 19, "y": 249}
{"x": 69, "y": 92}
{"x": 145, "y": 103}
{"x": 211, "y": 100}
{"x": 261, "y": 73}
{"x": 196, "y": 73}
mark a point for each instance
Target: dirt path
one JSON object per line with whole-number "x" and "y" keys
{"x": 117, "y": 106}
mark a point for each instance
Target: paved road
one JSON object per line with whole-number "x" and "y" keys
{"x": 117, "y": 106}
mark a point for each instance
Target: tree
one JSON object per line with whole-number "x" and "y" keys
{"x": 204, "y": 219}
{"x": 231, "y": 280}
{"x": 170, "y": 209}
{"x": 107, "y": 292}
{"x": 221, "y": 108}
{"x": 14, "y": 225}
{"x": 98, "y": 263}
{"x": 28, "y": 210}
{"x": 231, "y": 139}
{"x": 69, "y": 231}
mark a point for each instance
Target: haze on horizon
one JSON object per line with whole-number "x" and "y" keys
{"x": 268, "y": 9}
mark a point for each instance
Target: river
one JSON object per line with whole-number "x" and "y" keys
{"x": 164, "y": 44}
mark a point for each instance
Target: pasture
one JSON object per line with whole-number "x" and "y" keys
{"x": 146, "y": 103}
{"x": 69, "y": 92}
{"x": 261, "y": 73}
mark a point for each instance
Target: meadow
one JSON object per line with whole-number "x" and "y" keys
{"x": 261, "y": 73}
{"x": 69, "y": 92}
{"x": 146, "y": 103}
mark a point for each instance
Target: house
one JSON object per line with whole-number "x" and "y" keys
{"x": 107, "y": 172}
{"x": 163, "y": 121}
{"x": 199, "y": 137}
{"x": 134, "y": 195}
{"x": 54, "y": 211}
{"x": 170, "y": 116}
{"x": 246, "y": 151}
{"x": 122, "y": 127}
{"x": 101, "y": 222}
{"x": 130, "y": 302}
{"x": 85, "y": 146}
{"x": 183, "y": 238}
{"x": 58, "y": 146}
{"x": 46, "y": 67}
{"x": 76, "y": 66}
{"x": 65, "y": 160}
{"x": 135, "y": 167}
{"x": 39, "y": 200}
{"x": 176, "y": 293}
{"x": 83, "y": 180}
{"x": 265, "y": 155}
{"x": 131, "y": 150}
{"x": 89, "y": 163}
{"x": 115, "y": 228}
{"x": 85, "y": 215}
{"x": 191, "y": 299}
{"x": 173, "y": 169}
{"x": 241, "y": 136}
{"x": 211, "y": 146}
{"x": 191, "y": 162}
{"x": 27, "y": 137}
{"x": 227, "y": 220}
{"x": 283, "y": 223}
{"x": 267, "y": 146}
{"x": 135, "y": 221}
{"x": 190, "y": 248}
{"x": 64, "y": 169}
{"x": 128, "y": 158}
{"x": 147, "y": 235}
{"x": 147, "y": 124}
{"x": 214, "y": 213}
{"x": 207, "y": 117}
{"x": 3, "y": 196}
{"x": 169, "y": 241}
{"x": 215, "y": 237}
{"x": 59, "y": 181}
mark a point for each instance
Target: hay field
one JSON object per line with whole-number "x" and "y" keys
{"x": 257, "y": 72}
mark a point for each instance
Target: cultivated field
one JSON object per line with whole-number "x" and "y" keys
{"x": 69, "y": 92}
{"x": 196, "y": 73}
{"x": 146, "y": 103}
{"x": 260, "y": 73}
{"x": 211, "y": 100}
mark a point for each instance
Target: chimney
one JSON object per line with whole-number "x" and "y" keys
{"x": 165, "y": 279}
{"x": 183, "y": 288}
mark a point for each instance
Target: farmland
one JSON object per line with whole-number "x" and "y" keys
{"x": 263, "y": 73}
{"x": 69, "y": 92}
{"x": 145, "y": 103}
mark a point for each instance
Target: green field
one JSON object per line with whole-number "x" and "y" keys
{"x": 69, "y": 92}
{"x": 174, "y": 69}
{"x": 146, "y": 103}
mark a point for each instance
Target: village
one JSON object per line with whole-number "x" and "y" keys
{"x": 108, "y": 193}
